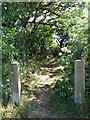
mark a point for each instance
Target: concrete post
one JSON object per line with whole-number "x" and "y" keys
{"x": 79, "y": 81}
{"x": 15, "y": 83}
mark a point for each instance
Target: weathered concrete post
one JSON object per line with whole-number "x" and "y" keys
{"x": 15, "y": 83}
{"x": 79, "y": 81}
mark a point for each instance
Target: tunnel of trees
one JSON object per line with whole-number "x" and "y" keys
{"x": 41, "y": 30}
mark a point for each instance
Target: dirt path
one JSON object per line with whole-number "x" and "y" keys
{"x": 50, "y": 72}
{"x": 42, "y": 99}
{"x": 43, "y": 105}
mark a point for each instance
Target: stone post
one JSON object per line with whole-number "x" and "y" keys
{"x": 79, "y": 81}
{"x": 15, "y": 83}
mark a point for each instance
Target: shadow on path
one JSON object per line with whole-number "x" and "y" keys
{"x": 40, "y": 92}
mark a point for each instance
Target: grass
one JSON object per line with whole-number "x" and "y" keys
{"x": 61, "y": 98}
{"x": 62, "y": 106}
{"x": 31, "y": 82}
{"x": 28, "y": 108}
{"x": 9, "y": 112}
{"x": 65, "y": 106}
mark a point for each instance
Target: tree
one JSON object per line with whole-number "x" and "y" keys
{"x": 29, "y": 29}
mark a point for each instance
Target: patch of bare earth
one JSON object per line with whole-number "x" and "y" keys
{"x": 42, "y": 91}
{"x": 43, "y": 104}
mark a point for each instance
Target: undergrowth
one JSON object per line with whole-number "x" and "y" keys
{"x": 61, "y": 99}
{"x": 27, "y": 109}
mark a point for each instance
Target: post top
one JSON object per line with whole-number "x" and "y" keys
{"x": 78, "y": 60}
{"x": 15, "y": 62}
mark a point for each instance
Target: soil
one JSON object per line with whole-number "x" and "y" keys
{"x": 50, "y": 72}
{"x": 43, "y": 104}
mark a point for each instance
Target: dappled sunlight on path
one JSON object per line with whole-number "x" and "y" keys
{"x": 39, "y": 83}
{"x": 45, "y": 79}
{"x": 43, "y": 106}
